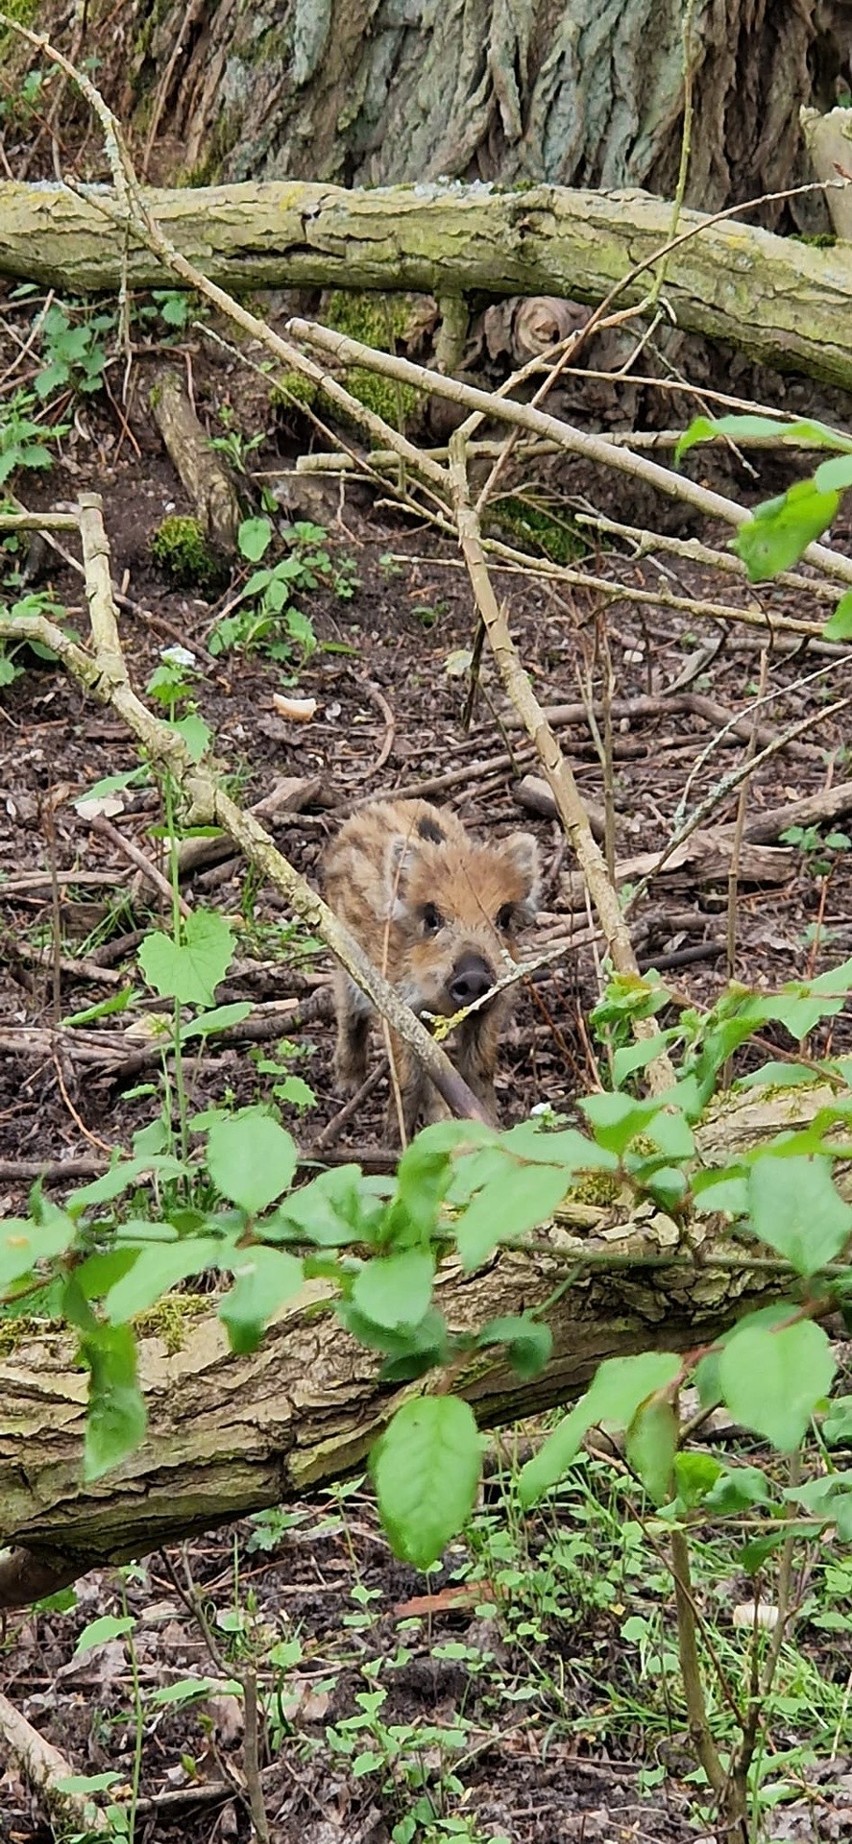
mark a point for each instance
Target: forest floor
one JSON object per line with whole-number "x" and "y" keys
{"x": 535, "y": 1705}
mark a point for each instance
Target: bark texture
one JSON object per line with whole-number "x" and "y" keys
{"x": 778, "y": 300}
{"x": 575, "y": 92}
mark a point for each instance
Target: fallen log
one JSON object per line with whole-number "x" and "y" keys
{"x": 232, "y": 1434}
{"x": 781, "y": 301}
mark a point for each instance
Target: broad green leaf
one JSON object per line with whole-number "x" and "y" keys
{"x": 726, "y": 1190}
{"x": 23, "y": 1243}
{"x": 737, "y": 1489}
{"x": 159, "y": 1268}
{"x": 191, "y": 970}
{"x": 779, "y": 1075}
{"x": 251, "y": 1160}
{"x": 626, "y": 1061}
{"x": 263, "y": 1279}
{"x": 334, "y": 1209}
{"x": 839, "y": 627}
{"x": 529, "y": 1342}
{"x": 837, "y": 1426}
{"x": 121, "y": 1176}
{"x": 253, "y": 538}
{"x": 616, "y": 1119}
{"x": 796, "y": 1209}
{"x": 117, "y": 1418}
{"x": 620, "y": 1386}
{"x": 99, "y": 1632}
{"x": 422, "y": 1179}
{"x": 220, "y": 1019}
{"x": 834, "y": 476}
{"x": 780, "y": 530}
{"x": 695, "y": 1475}
{"x": 773, "y": 1381}
{"x": 105, "y": 1008}
{"x": 805, "y": 433}
{"x": 426, "y": 1470}
{"x": 507, "y": 1208}
{"x": 651, "y": 1446}
{"x": 195, "y": 733}
{"x": 77, "y": 1784}
{"x": 296, "y": 1092}
{"x": 395, "y": 1290}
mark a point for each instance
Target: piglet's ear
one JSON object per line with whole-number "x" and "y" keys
{"x": 521, "y": 851}
{"x": 399, "y": 860}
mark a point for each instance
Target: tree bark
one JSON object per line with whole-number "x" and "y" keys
{"x": 784, "y": 302}
{"x": 231, "y": 1435}
{"x": 573, "y": 92}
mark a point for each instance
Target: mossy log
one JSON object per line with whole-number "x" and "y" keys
{"x": 232, "y": 1434}
{"x": 779, "y": 301}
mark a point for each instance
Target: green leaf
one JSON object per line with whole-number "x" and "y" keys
{"x": 253, "y": 538}
{"x": 507, "y": 1208}
{"x": 619, "y": 1388}
{"x": 395, "y": 1290}
{"x": 423, "y": 1176}
{"x": 805, "y": 433}
{"x": 839, "y": 627}
{"x": 99, "y": 1632}
{"x": 251, "y": 1160}
{"x": 336, "y": 1208}
{"x": 196, "y": 733}
{"x": 796, "y": 1209}
{"x": 263, "y": 1279}
{"x": 695, "y": 1475}
{"x": 296, "y": 1092}
{"x": 778, "y": 1075}
{"x": 780, "y": 530}
{"x": 23, "y": 1243}
{"x": 189, "y": 971}
{"x": 772, "y": 1381}
{"x": 157, "y": 1269}
{"x": 117, "y": 1418}
{"x": 651, "y": 1446}
{"x": 726, "y": 1190}
{"x": 529, "y": 1342}
{"x": 616, "y": 1119}
{"x": 426, "y": 1470}
{"x": 837, "y": 1426}
{"x": 119, "y": 1178}
{"x": 737, "y": 1489}
{"x": 220, "y": 1019}
{"x": 834, "y": 476}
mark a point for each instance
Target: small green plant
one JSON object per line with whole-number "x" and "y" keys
{"x": 235, "y": 446}
{"x": 37, "y": 602}
{"x": 25, "y": 442}
{"x": 74, "y": 347}
{"x": 265, "y": 617}
{"x": 818, "y": 850}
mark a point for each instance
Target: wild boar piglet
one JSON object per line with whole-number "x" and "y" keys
{"x": 438, "y": 912}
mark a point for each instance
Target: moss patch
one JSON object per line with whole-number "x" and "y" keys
{"x": 182, "y": 550}
{"x": 171, "y": 1318}
{"x": 544, "y": 531}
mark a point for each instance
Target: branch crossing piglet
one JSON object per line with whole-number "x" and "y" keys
{"x": 438, "y": 912}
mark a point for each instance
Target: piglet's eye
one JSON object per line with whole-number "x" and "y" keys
{"x": 432, "y": 919}
{"x": 505, "y": 917}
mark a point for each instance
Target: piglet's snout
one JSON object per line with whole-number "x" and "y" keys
{"x": 472, "y": 978}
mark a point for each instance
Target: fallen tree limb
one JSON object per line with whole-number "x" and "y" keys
{"x": 780, "y": 301}
{"x": 231, "y": 1434}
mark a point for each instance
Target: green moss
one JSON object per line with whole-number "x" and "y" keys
{"x": 546, "y": 533}
{"x": 171, "y": 1317}
{"x": 599, "y": 1189}
{"x": 377, "y": 320}
{"x": 292, "y": 387}
{"x": 821, "y": 240}
{"x": 182, "y": 550}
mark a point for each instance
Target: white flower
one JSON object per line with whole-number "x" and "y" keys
{"x": 178, "y": 656}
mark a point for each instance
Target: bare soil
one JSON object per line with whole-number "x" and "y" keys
{"x": 389, "y": 717}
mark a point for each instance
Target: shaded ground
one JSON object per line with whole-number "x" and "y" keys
{"x": 541, "y": 1757}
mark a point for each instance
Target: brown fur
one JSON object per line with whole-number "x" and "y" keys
{"x": 437, "y": 911}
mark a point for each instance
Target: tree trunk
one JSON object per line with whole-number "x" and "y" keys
{"x": 574, "y": 92}
{"x": 230, "y": 1435}
{"x": 776, "y": 300}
